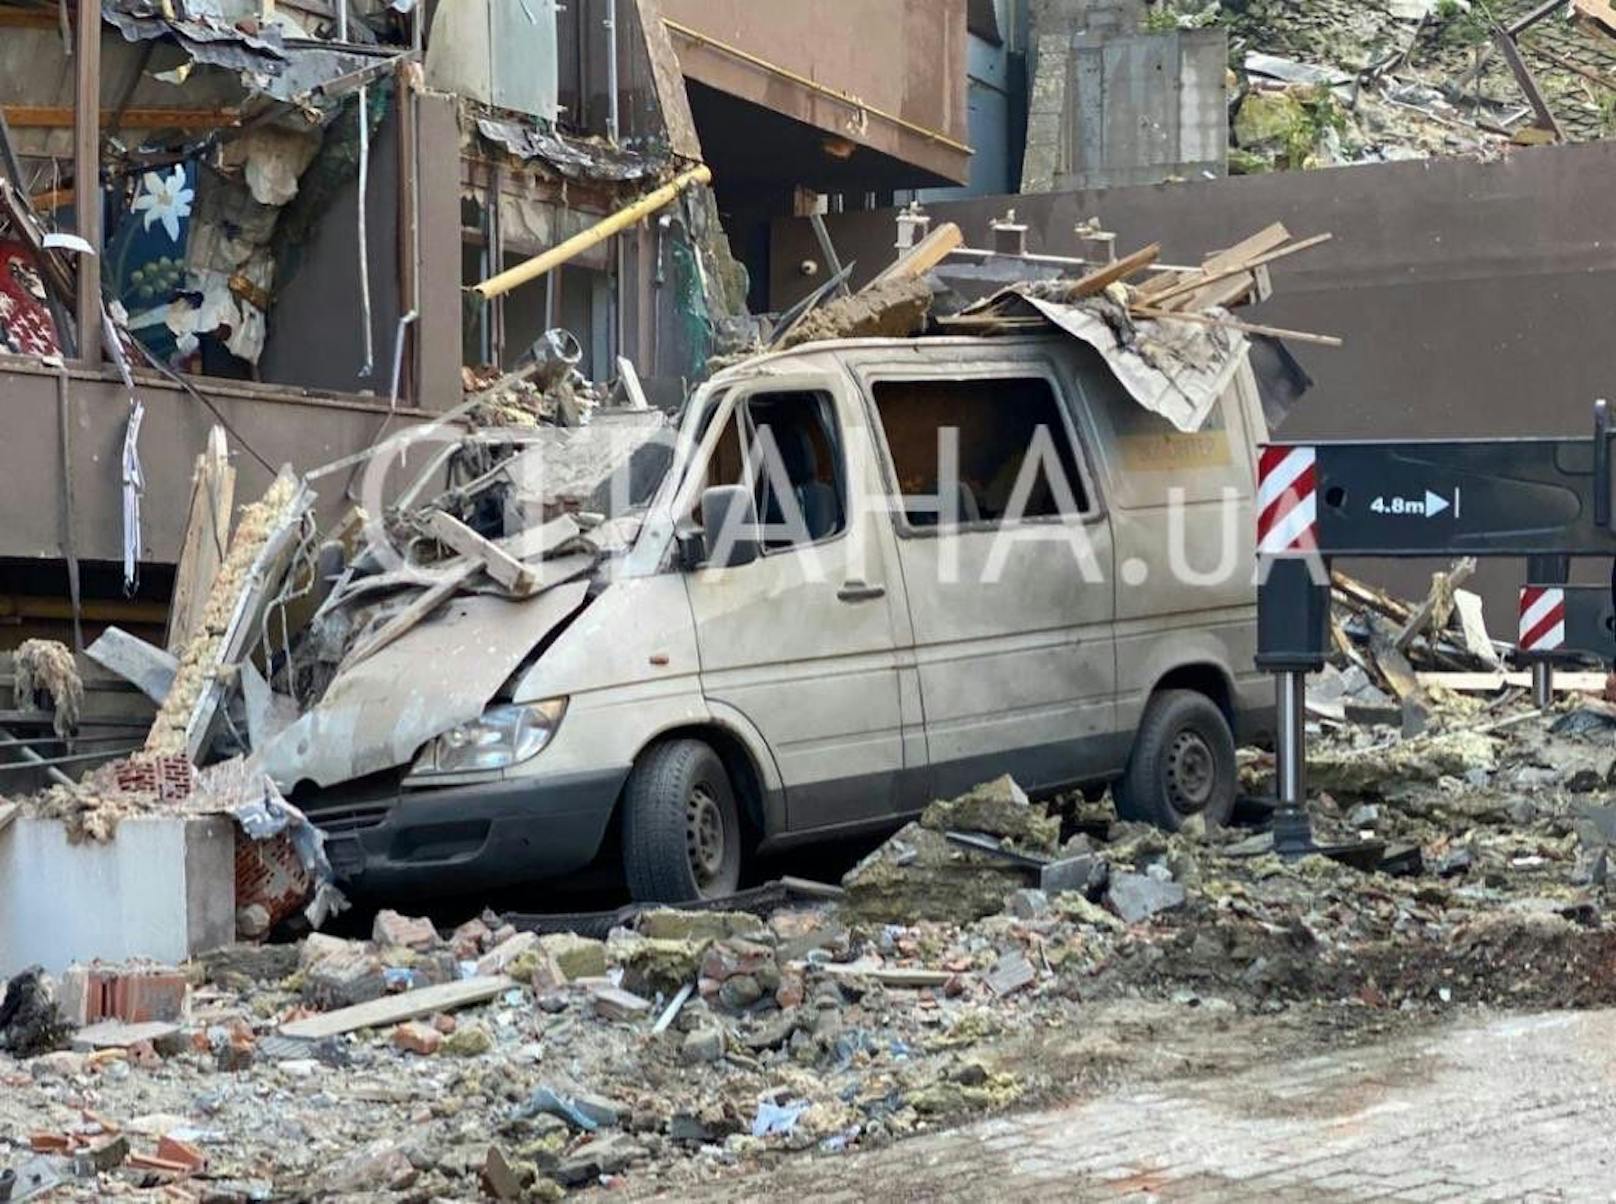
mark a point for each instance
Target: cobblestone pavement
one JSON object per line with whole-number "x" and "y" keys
{"x": 1518, "y": 1108}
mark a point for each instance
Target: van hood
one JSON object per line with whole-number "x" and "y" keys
{"x": 445, "y": 671}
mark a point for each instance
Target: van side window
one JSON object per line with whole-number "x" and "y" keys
{"x": 975, "y": 451}
{"x": 791, "y": 456}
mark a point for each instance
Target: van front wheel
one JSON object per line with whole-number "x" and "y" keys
{"x": 1182, "y": 764}
{"x": 681, "y": 831}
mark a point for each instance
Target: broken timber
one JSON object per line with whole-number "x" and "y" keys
{"x": 394, "y": 1009}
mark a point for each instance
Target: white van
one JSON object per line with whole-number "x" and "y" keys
{"x": 828, "y": 617}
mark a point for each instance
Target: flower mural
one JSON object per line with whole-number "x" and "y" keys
{"x": 165, "y": 199}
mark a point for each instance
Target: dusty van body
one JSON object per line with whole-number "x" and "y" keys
{"x": 828, "y": 644}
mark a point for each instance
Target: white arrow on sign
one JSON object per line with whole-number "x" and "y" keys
{"x": 1434, "y": 504}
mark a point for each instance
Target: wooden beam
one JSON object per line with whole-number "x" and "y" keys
{"x": 1505, "y": 41}
{"x": 1273, "y": 332}
{"x": 87, "y": 174}
{"x": 924, "y": 255}
{"x": 1234, "y": 269}
{"x": 395, "y": 1009}
{"x": 1269, "y": 239}
{"x": 29, "y": 18}
{"x": 207, "y": 536}
{"x": 1103, "y": 278}
{"x": 434, "y": 596}
{"x": 496, "y": 561}
{"x": 60, "y": 117}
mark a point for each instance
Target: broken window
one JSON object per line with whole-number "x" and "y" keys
{"x": 792, "y": 457}
{"x": 980, "y": 451}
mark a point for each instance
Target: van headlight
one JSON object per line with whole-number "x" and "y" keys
{"x": 500, "y": 737}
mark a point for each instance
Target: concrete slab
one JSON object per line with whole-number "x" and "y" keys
{"x": 163, "y": 888}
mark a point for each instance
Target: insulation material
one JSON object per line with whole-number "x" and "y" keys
{"x": 46, "y": 666}
{"x": 231, "y": 268}
{"x": 271, "y": 159}
{"x": 199, "y": 660}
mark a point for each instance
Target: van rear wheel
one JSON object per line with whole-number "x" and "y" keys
{"x": 1182, "y": 763}
{"x": 681, "y": 831}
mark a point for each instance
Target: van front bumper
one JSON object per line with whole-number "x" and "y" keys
{"x": 443, "y": 840}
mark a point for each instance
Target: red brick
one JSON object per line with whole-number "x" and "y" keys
{"x": 49, "y": 1143}
{"x": 444, "y": 1023}
{"x": 417, "y": 1038}
{"x": 172, "y": 1149}
{"x": 393, "y": 930}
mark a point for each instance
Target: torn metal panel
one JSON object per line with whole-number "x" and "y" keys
{"x": 501, "y": 53}
{"x": 442, "y": 672}
{"x": 149, "y": 668}
{"x": 210, "y": 41}
{"x": 526, "y": 70}
{"x": 574, "y": 158}
{"x": 1174, "y": 369}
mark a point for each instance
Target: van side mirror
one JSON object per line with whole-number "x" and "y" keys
{"x": 729, "y": 526}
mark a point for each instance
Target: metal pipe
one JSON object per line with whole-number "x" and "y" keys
{"x": 398, "y": 358}
{"x": 611, "y": 72}
{"x": 1293, "y": 832}
{"x": 55, "y": 775}
{"x": 364, "y": 240}
{"x": 1543, "y": 685}
{"x": 532, "y": 269}
{"x": 1290, "y": 745}
{"x": 87, "y": 175}
{"x": 34, "y": 761}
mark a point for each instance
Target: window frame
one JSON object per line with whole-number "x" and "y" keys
{"x": 739, "y": 397}
{"x": 871, "y": 376}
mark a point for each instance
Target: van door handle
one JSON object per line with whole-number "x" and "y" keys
{"x": 858, "y": 591}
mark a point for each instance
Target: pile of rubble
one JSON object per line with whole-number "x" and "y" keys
{"x": 1334, "y": 82}
{"x": 995, "y": 953}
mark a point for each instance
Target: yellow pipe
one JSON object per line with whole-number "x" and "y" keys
{"x": 532, "y": 269}
{"x": 847, "y": 98}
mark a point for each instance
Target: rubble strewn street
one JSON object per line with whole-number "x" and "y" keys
{"x": 689, "y": 1046}
{"x": 721, "y": 602}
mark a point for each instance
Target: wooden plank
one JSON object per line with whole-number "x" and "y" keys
{"x": 1528, "y": 83}
{"x": 1438, "y": 604}
{"x": 1601, "y": 12}
{"x": 924, "y": 255}
{"x": 889, "y": 976}
{"x": 429, "y": 600}
{"x": 395, "y": 1009}
{"x": 1260, "y": 243}
{"x": 1367, "y": 595}
{"x": 1275, "y": 332}
{"x": 60, "y": 117}
{"x": 207, "y": 536}
{"x": 1578, "y": 682}
{"x": 499, "y": 564}
{"x": 1192, "y": 285}
{"x": 1098, "y": 281}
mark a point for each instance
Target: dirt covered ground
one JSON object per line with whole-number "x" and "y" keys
{"x": 823, "y": 1028}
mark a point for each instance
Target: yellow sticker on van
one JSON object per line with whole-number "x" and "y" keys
{"x": 1164, "y": 452}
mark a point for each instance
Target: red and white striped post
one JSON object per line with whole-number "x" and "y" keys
{"x": 1542, "y": 632}
{"x": 1287, "y": 527}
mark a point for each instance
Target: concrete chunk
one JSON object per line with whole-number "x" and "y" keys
{"x": 1136, "y": 897}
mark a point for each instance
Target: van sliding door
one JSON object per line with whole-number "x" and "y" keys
{"x": 1007, "y": 563}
